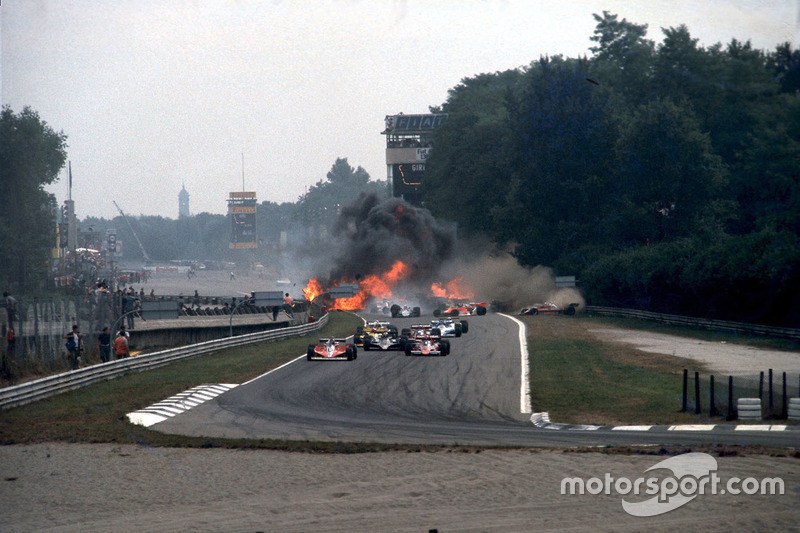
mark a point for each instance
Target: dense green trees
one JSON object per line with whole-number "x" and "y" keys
{"x": 31, "y": 156}
{"x": 665, "y": 177}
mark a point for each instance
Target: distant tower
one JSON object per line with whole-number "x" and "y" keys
{"x": 183, "y": 203}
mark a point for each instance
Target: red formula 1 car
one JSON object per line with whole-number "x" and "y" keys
{"x": 425, "y": 340}
{"x": 332, "y": 350}
{"x": 549, "y": 308}
{"x": 462, "y": 309}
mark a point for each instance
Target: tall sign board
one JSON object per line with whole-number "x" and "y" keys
{"x": 242, "y": 212}
{"x": 409, "y": 141}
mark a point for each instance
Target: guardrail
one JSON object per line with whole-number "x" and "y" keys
{"x": 719, "y": 325}
{"x": 52, "y": 385}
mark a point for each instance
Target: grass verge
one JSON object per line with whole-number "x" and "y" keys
{"x": 96, "y": 413}
{"x": 579, "y": 379}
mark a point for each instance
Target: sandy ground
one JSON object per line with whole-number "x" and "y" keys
{"x": 109, "y": 488}
{"x": 718, "y": 357}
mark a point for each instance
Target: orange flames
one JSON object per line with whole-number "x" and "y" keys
{"x": 372, "y": 286}
{"x": 455, "y": 289}
{"x": 312, "y": 290}
{"x": 380, "y": 287}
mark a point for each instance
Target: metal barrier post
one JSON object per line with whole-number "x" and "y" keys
{"x": 731, "y": 414}
{"x": 697, "y": 409}
{"x": 684, "y": 405}
{"x": 771, "y": 398}
{"x": 712, "y": 409}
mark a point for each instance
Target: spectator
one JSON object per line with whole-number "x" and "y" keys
{"x": 128, "y": 305}
{"x": 11, "y": 308}
{"x": 11, "y": 340}
{"x": 121, "y": 345}
{"x": 196, "y": 300}
{"x": 275, "y": 310}
{"x": 74, "y": 347}
{"x": 287, "y": 305}
{"x": 104, "y": 343}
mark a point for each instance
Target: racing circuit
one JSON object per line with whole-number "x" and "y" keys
{"x": 475, "y": 396}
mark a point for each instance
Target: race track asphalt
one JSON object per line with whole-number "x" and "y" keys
{"x": 470, "y": 397}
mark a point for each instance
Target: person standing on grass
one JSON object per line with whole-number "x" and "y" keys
{"x": 74, "y": 347}
{"x": 104, "y": 343}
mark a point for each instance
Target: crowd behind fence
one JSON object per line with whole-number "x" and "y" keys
{"x": 717, "y": 395}
{"x": 40, "y": 326}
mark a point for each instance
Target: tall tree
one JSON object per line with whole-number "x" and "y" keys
{"x": 669, "y": 174}
{"x": 623, "y": 56}
{"x": 31, "y": 156}
{"x": 322, "y": 203}
{"x": 562, "y": 160}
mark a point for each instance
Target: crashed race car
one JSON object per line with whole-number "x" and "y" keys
{"x": 450, "y": 328}
{"x": 374, "y": 327}
{"x": 464, "y": 309}
{"x": 424, "y": 340}
{"x": 332, "y": 350}
{"x": 549, "y": 308}
{"x": 404, "y": 311}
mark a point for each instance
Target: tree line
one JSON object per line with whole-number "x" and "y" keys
{"x": 665, "y": 177}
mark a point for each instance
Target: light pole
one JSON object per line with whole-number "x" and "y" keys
{"x": 237, "y": 306}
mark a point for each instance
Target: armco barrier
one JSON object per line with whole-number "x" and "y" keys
{"x": 717, "y": 325}
{"x": 52, "y": 385}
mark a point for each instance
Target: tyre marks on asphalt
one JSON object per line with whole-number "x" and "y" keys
{"x": 180, "y": 403}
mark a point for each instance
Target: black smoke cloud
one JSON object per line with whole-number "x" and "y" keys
{"x": 372, "y": 234}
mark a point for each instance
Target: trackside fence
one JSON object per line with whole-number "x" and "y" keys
{"x": 49, "y": 386}
{"x": 716, "y": 325}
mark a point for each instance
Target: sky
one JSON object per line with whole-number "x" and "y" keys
{"x": 264, "y": 96}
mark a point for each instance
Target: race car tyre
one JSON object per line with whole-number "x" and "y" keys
{"x": 570, "y": 310}
{"x": 533, "y": 311}
{"x": 310, "y": 352}
{"x": 437, "y": 312}
{"x": 481, "y": 310}
{"x": 444, "y": 347}
{"x": 407, "y": 349}
{"x": 395, "y": 310}
{"x": 392, "y": 331}
{"x": 365, "y": 346}
{"x": 464, "y": 326}
{"x": 454, "y": 312}
{"x": 349, "y": 353}
{"x": 355, "y": 351}
{"x": 416, "y": 312}
{"x": 458, "y": 329}
{"x": 406, "y": 332}
{"x": 402, "y": 342}
{"x": 436, "y": 332}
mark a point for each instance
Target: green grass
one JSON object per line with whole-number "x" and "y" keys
{"x": 96, "y": 413}
{"x": 577, "y": 378}
{"x": 574, "y": 377}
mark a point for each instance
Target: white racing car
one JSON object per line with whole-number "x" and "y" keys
{"x": 449, "y": 327}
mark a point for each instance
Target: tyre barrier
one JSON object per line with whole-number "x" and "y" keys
{"x": 749, "y": 408}
{"x": 794, "y": 409}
